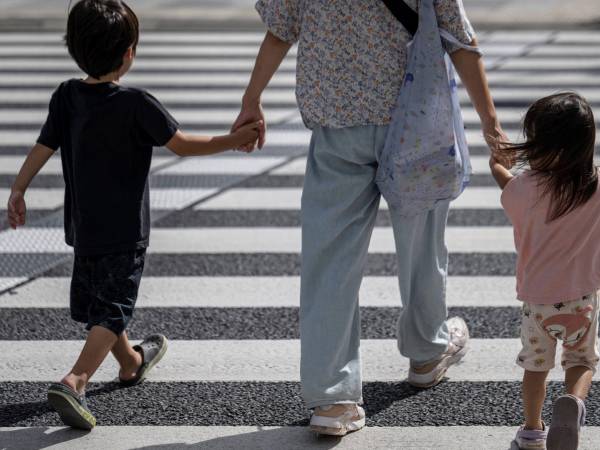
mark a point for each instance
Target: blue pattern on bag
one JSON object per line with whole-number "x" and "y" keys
{"x": 425, "y": 159}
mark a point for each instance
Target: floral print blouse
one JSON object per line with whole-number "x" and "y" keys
{"x": 351, "y": 55}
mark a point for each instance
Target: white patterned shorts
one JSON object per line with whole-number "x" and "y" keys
{"x": 575, "y": 323}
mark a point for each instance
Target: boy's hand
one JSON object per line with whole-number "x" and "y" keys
{"x": 16, "y": 210}
{"x": 246, "y": 135}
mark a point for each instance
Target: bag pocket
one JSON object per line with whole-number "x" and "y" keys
{"x": 433, "y": 176}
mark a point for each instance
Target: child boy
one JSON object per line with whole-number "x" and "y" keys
{"x": 106, "y": 133}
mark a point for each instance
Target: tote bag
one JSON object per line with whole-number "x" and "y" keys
{"x": 425, "y": 159}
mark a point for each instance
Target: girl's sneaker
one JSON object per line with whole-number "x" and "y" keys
{"x": 531, "y": 439}
{"x": 567, "y": 419}
{"x": 337, "y": 420}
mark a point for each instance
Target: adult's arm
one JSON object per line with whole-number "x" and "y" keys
{"x": 470, "y": 68}
{"x": 271, "y": 54}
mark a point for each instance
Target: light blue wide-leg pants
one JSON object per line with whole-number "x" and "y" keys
{"x": 339, "y": 207}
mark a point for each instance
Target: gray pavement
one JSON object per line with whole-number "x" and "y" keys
{"x": 222, "y": 283}
{"x": 240, "y": 14}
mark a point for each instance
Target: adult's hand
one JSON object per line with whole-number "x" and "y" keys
{"x": 251, "y": 112}
{"x": 271, "y": 53}
{"x": 497, "y": 140}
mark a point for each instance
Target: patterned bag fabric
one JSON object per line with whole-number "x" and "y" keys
{"x": 425, "y": 159}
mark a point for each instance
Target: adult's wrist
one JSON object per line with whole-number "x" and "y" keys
{"x": 250, "y": 99}
{"x": 490, "y": 121}
{"x": 17, "y": 190}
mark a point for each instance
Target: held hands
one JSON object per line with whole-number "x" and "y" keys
{"x": 251, "y": 112}
{"x": 245, "y": 136}
{"x": 16, "y": 210}
{"x": 497, "y": 140}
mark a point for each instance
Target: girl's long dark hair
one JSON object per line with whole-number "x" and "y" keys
{"x": 560, "y": 134}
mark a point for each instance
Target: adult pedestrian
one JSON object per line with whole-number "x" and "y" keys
{"x": 350, "y": 66}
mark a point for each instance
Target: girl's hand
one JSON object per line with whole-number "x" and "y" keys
{"x": 493, "y": 161}
{"x": 17, "y": 210}
{"x": 251, "y": 112}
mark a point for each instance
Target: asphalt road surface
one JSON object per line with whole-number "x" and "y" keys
{"x": 222, "y": 274}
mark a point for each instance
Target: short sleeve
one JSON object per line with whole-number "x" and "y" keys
{"x": 282, "y": 18}
{"x": 512, "y": 200}
{"x": 50, "y": 136}
{"x": 156, "y": 125}
{"x": 452, "y": 17}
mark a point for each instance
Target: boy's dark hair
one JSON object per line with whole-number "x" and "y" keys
{"x": 560, "y": 134}
{"x": 99, "y": 32}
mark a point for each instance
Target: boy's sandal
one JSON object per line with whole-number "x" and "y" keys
{"x": 152, "y": 349}
{"x": 71, "y": 407}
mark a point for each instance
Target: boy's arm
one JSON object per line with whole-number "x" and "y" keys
{"x": 501, "y": 174}
{"x": 184, "y": 144}
{"x": 37, "y": 157}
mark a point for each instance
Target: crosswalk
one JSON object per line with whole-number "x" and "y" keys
{"x": 222, "y": 277}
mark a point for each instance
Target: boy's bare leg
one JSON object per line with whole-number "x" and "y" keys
{"x": 578, "y": 381}
{"x": 97, "y": 346}
{"x": 534, "y": 394}
{"x": 129, "y": 360}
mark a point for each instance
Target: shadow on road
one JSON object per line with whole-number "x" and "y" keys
{"x": 289, "y": 438}
{"x": 36, "y": 438}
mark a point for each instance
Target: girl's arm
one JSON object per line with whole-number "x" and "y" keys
{"x": 470, "y": 68}
{"x": 184, "y": 144}
{"x": 501, "y": 174}
{"x": 36, "y": 159}
{"x": 271, "y": 54}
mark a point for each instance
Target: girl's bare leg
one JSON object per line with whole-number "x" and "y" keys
{"x": 534, "y": 394}
{"x": 578, "y": 381}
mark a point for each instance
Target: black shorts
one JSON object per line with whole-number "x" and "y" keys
{"x": 104, "y": 289}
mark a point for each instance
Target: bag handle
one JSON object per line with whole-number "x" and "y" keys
{"x": 452, "y": 40}
{"x": 409, "y": 18}
{"x": 405, "y": 14}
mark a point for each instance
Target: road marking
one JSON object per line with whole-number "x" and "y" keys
{"x": 255, "y": 360}
{"x": 260, "y": 292}
{"x": 289, "y": 199}
{"x": 255, "y": 240}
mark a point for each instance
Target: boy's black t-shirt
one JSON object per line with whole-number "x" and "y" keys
{"x": 106, "y": 133}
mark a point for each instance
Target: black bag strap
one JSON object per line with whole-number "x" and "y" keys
{"x": 405, "y": 14}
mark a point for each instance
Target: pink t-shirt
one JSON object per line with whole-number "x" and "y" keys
{"x": 556, "y": 261}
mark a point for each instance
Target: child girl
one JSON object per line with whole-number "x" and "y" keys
{"x": 554, "y": 207}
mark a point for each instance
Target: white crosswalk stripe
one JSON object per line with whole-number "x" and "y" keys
{"x": 289, "y": 438}
{"x": 250, "y": 360}
{"x": 280, "y": 292}
{"x": 289, "y": 198}
{"x": 234, "y": 339}
{"x": 257, "y": 240}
